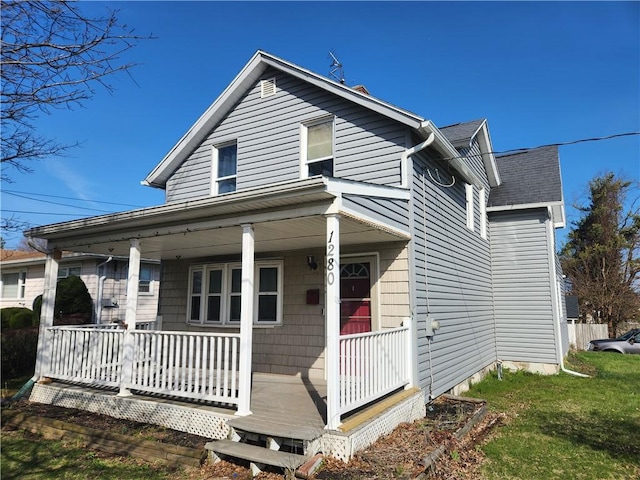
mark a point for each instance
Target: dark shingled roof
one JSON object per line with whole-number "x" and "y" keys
{"x": 572, "y": 306}
{"x": 461, "y": 132}
{"x": 528, "y": 177}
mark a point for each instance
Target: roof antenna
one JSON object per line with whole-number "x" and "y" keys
{"x": 336, "y": 67}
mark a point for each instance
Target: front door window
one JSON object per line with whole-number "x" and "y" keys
{"x": 355, "y": 298}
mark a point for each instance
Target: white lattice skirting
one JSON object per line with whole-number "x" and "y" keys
{"x": 195, "y": 420}
{"x": 344, "y": 445}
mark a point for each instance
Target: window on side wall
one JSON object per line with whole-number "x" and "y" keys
{"x": 224, "y": 168}
{"x": 470, "y": 212}
{"x": 13, "y": 284}
{"x": 64, "y": 272}
{"x": 317, "y": 141}
{"x": 215, "y": 294}
{"x": 145, "y": 279}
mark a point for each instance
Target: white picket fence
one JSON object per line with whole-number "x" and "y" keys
{"x": 197, "y": 366}
{"x": 580, "y": 334}
{"x": 371, "y": 365}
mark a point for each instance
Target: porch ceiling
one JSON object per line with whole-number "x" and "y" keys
{"x": 287, "y": 216}
{"x": 208, "y": 239}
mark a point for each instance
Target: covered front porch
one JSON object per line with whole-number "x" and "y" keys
{"x": 212, "y": 367}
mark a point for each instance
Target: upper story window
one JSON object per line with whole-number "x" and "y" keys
{"x": 13, "y": 284}
{"x": 317, "y": 148}
{"x": 482, "y": 202}
{"x": 215, "y": 294}
{"x": 64, "y": 272}
{"x": 470, "y": 209}
{"x": 225, "y": 165}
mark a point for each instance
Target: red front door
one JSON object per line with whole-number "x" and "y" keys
{"x": 355, "y": 298}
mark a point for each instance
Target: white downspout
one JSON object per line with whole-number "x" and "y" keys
{"x": 101, "y": 281}
{"x": 404, "y": 160}
{"x": 557, "y": 309}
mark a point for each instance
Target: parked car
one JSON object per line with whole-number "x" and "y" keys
{"x": 627, "y": 343}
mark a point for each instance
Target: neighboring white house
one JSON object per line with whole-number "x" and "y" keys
{"x": 22, "y": 280}
{"x": 316, "y": 234}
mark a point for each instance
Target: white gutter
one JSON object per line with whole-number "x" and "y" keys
{"x": 450, "y": 153}
{"x": 404, "y": 160}
{"x": 101, "y": 281}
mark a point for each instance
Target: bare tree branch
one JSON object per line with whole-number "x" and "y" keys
{"x": 52, "y": 56}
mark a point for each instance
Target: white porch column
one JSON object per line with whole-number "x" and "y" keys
{"x": 332, "y": 271}
{"x": 246, "y": 320}
{"x": 47, "y": 312}
{"x": 130, "y": 316}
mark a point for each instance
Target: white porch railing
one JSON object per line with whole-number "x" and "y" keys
{"x": 198, "y": 366}
{"x": 86, "y": 354}
{"x": 371, "y": 365}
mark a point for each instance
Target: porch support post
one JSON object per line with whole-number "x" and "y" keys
{"x": 332, "y": 271}
{"x": 130, "y": 317}
{"x": 246, "y": 320}
{"x": 47, "y": 312}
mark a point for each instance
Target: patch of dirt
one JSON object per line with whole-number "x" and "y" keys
{"x": 102, "y": 422}
{"x": 400, "y": 454}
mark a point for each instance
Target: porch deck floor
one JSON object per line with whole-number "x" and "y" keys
{"x": 286, "y": 407}
{"x": 282, "y": 406}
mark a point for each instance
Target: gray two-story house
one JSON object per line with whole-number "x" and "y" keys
{"x": 322, "y": 251}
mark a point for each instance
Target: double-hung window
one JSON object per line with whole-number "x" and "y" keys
{"x": 215, "y": 294}
{"x": 224, "y": 168}
{"x": 64, "y": 272}
{"x": 145, "y": 279}
{"x": 317, "y": 140}
{"x": 13, "y": 284}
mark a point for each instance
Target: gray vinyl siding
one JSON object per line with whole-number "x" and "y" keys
{"x": 368, "y": 146}
{"x": 388, "y": 211}
{"x": 523, "y": 287}
{"x": 452, "y": 281}
{"x": 473, "y": 158}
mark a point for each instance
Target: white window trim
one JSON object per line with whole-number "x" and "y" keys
{"x": 66, "y": 268}
{"x": 469, "y": 200}
{"x": 225, "y": 304}
{"x": 21, "y": 286}
{"x": 483, "y": 212}
{"x": 151, "y": 282}
{"x": 304, "y": 163}
{"x": 214, "y": 166}
{"x": 280, "y": 286}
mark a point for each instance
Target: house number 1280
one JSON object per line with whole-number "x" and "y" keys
{"x": 331, "y": 262}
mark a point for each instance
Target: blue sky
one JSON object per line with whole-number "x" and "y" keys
{"x": 539, "y": 72}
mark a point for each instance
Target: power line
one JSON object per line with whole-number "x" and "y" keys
{"x": 58, "y": 203}
{"x": 572, "y": 142}
{"x": 73, "y": 198}
{"x": 41, "y": 213}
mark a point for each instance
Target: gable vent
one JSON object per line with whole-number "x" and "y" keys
{"x": 267, "y": 87}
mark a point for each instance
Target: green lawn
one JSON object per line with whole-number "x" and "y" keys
{"x": 562, "y": 426}
{"x": 26, "y": 456}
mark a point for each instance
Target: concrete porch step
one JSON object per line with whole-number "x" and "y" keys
{"x": 257, "y": 456}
